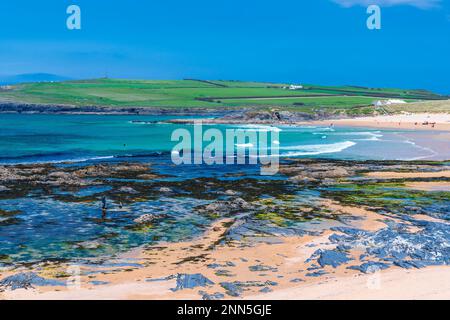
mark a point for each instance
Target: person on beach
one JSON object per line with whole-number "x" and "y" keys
{"x": 103, "y": 207}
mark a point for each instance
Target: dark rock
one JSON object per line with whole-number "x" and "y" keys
{"x": 236, "y": 288}
{"x": 262, "y": 268}
{"x": 189, "y": 281}
{"x": 225, "y": 207}
{"x": 370, "y": 267}
{"x": 89, "y": 245}
{"x": 332, "y": 258}
{"x": 316, "y": 274}
{"x": 232, "y": 289}
{"x": 231, "y": 193}
{"x": 128, "y": 190}
{"x": 145, "y": 219}
{"x": 98, "y": 283}
{"x": 214, "y": 296}
{"x": 223, "y": 273}
{"x": 27, "y": 280}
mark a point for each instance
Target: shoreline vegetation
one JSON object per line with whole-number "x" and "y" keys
{"x": 376, "y": 226}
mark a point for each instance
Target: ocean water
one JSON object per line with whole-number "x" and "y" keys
{"x": 77, "y": 138}
{"x": 47, "y": 228}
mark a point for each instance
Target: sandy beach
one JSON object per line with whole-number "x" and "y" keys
{"x": 417, "y": 121}
{"x": 425, "y": 284}
{"x": 430, "y": 131}
{"x": 281, "y": 267}
{"x": 288, "y": 257}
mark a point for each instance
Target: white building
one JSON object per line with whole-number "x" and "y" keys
{"x": 381, "y": 103}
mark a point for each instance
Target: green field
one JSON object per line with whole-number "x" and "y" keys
{"x": 205, "y": 94}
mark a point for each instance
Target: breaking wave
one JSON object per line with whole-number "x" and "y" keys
{"x": 316, "y": 149}
{"x": 256, "y": 127}
{"x": 365, "y": 135}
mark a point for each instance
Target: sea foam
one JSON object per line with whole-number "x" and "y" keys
{"x": 316, "y": 149}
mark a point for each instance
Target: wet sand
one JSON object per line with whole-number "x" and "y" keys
{"x": 430, "y": 283}
{"x": 429, "y": 186}
{"x": 286, "y": 260}
{"x": 429, "y": 131}
{"x": 402, "y": 175}
{"x": 420, "y": 121}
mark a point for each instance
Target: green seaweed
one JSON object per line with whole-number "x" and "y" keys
{"x": 393, "y": 196}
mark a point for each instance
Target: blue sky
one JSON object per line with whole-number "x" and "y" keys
{"x": 320, "y": 41}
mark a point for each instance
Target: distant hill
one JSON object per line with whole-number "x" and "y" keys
{"x": 314, "y": 100}
{"x": 31, "y": 77}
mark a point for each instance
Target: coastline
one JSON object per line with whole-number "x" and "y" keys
{"x": 426, "y": 130}
{"x": 277, "y": 266}
{"x": 274, "y": 266}
{"x": 418, "y": 121}
{"x": 49, "y": 109}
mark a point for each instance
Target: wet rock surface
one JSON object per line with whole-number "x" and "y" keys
{"x": 262, "y": 268}
{"x": 370, "y": 267}
{"x": 395, "y": 245}
{"x": 20, "y": 180}
{"x": 332, "y": 258}
{"x": 226, "y": 207}
{"x": 322, "y": 171}
{"x": 213, "y": 296}
{"x": 27, "y": 280}
{"x": 190, "y": 281}
{"x": 146, "y": 218}
{"x": 141, "y": 203}
{"x": 236, "y": 288}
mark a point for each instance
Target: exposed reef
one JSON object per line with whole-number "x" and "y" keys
{"x": 335, "y": 216}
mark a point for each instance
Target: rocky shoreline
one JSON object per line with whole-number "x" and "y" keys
{"x": 31, "y": 108}
{"x": 224, "y": 115}
{"x": 322, "y": 219}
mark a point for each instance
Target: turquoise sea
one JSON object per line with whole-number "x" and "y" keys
{"x": 58, "y": 138}
{"x": 49, "y": 228}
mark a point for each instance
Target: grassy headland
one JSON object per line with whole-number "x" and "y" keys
{"x": 173, "y": 94}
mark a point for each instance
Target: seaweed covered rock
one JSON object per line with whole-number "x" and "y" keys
{"x": 165, "y": 190}
{"x": 225, "y": 207}
{"x": 145, "y": 219}
{"x": 131, "y": 170}
{"x": 321, "y": 174}
{"x": 127, "y": 190}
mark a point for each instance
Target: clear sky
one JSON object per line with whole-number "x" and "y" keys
{"x": 316, "y": 41}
